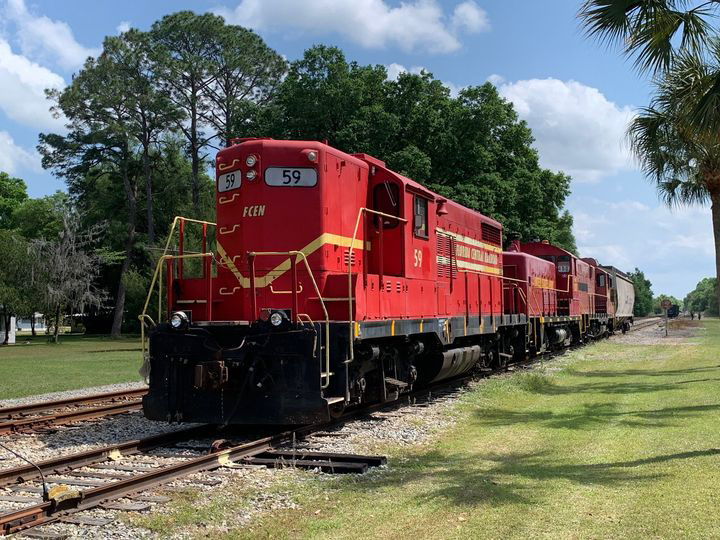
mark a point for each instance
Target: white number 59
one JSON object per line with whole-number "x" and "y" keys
{"x": 418, "y": 258}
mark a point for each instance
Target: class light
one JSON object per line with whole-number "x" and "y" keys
{"x": 276, "y": 319}
{"x": 250, "y": 161}
{"x": 312, "y": 155}
{"x": 178, "y": 320}
{"x": 250, "y": 175}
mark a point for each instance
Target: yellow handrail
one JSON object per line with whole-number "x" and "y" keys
{"x": 144, "y": 317}
{"x": 361, "y": 213}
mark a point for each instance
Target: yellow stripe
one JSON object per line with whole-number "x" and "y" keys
{"x": 468, "y": 240}
{"x": 392, "y": 328}
{"x": 357, "y": 329}
{"x": 272, "y": 275}
{"x": 422, "y": 323}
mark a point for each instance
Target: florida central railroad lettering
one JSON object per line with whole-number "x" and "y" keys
{"x": 466, "y": 252}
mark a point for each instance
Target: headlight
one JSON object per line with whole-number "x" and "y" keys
{"x": 312, "y": 155}
{"x": 276, "y": 319}
{"x": 250, "y": 161}
{"x": 250, "y": 175}
{"x": 178, "y": 320}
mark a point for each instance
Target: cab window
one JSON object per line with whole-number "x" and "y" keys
{"x": 420, "y": 217}
{"x": 386, "y": 198}
{"x": 601, "y": 280}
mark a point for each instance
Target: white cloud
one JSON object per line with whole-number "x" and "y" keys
{"x": 124, "y": 26}
{"x": 394, "y": 70}
{"x": 13, "y": 157}
{"x": 470, "y": 17}
{"x": 673, "y": 246}
{"x": 23, "y": 85}
{"x": 496, "y": 79}
{"x": 411, "y": 25}
{"x": 576, "y": 128}
{"x": 41, "y": 37}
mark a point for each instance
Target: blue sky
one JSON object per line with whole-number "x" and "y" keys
{"x": 576, "y": 96}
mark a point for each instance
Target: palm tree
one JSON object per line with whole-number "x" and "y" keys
{"x": 652, "y": 31}
{"x": 677, "y": 138}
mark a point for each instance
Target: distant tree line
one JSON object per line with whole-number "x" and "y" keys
{"x": 643, "y": 293}
{"x": 703, "y": 299}
{"x": 50, "y": 262}
{"x": 146, "y": 116}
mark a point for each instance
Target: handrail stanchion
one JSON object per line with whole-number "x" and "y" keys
{"x": 181, "y": 248}
{"x": 253, "y": 297}
{"x": 381, "y": 262}
{"x": 293, "y": 275}
{"x": 170, "y": 284}
{"x": 204, "y": 244}
{"x": 208, "y": 278}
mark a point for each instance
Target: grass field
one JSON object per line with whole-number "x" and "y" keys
{"x": 613, "y": 441}
{"x": 34, "y": 366}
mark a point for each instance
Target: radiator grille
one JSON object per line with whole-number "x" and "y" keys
{"x": 491, "y": 234}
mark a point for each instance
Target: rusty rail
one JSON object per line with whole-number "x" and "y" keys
{"x": 43, "y": 406}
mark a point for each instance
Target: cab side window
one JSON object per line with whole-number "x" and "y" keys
{"x": 386, "y": 199}
{"x": 420, "y": 217}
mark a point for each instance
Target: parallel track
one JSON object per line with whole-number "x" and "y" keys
{"x": 65, "y": 411}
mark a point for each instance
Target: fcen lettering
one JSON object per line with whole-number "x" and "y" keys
{"x": 256, "y": 210}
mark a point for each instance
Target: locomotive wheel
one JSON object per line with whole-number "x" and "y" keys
{"x": 336, "y": 409}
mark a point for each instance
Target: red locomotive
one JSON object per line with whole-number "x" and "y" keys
{"x": 335, "y": 281}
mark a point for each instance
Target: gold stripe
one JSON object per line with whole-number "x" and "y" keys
{"x": 280, "y": 269}
{"x": 468, "y": 240}
{"x": 422, "y": 323}
{"x": 392, "y": 328}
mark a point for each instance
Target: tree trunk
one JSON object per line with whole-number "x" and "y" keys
{"x": 116, "y": 331}
{"x": 57, "y": 324}
{"x": 32, "y": 324}
{"x": 149, "y": 195}
{"x": 715, "y": 198}
{"x": 195, "y": 154}
{"x": 130, "y": 194}
{"x": 196, "y": 182}
{"x": 6, "y": 319}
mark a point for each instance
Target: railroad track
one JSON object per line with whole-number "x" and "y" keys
{"x": 645, "y": 323}
{"x": 123, "y": 471}
{"x": 99, "y": 477}
{"x": 47, "y": 414}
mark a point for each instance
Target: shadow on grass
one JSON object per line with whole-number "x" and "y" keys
{"x": 606, "y": 388}
{"x": 642, "y": 372}
{"x": 590, "y": 415}
{"x": 511, "y": 478}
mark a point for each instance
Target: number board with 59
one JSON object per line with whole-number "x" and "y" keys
{"x": 229, "y": 181}
{"x": 291, "y": 176}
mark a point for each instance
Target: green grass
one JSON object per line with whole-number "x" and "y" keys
{"x": 622, "y": 441}
{"x": 34, "y": 366}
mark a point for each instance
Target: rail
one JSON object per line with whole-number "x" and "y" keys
{"x": 361, "y": 214}
{"x": 296, "y": 315}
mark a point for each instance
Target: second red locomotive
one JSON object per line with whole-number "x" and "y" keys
{"x": 335, "y": 281}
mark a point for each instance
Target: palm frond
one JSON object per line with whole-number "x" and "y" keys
{"x": 651, "y": 31}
